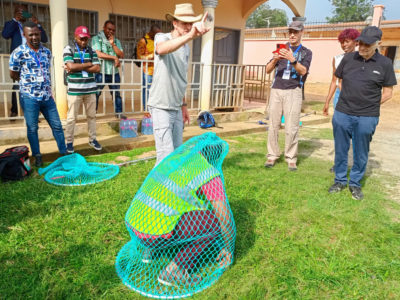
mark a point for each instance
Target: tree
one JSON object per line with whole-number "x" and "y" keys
{"x": 350, "y": 10}
{"x": 260, "y": 17}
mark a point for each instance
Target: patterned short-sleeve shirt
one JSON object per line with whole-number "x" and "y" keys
{"x": 100, "y": 43}
{"x": 34, "y": 70}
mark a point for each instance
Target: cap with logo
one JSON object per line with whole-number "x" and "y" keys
{"x": 82, "y": 31}
{"x": 370, "y": 35}
{"x": 296, "y": 25}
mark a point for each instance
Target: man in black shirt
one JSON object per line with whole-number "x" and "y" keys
{"x": 367, "y": 82}
{"x": 291, "y": 68}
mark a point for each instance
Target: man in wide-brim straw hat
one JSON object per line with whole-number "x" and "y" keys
{"x": 167, "y": 94}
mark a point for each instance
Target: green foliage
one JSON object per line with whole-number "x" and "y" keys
{"x": 351, "y": 10}
{"x": 259, "y": 18}
{"x": 294, "y": 239}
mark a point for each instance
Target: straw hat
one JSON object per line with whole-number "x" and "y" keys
{"x": 185, "y": 13}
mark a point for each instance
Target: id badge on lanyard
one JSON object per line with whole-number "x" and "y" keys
{"x": 287, "y": 71}
{"x": 39, "y": 77}
{"x": 82, "y": 56}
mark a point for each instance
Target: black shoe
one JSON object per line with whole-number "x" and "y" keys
{"x": 70, "y": 148}
{"x": 120, "y": 116}
{"x": 336, "y": 187}
{"x": 38, "y": 160}
{"x": 95, "y": 144}
{"x": 356, "y": 192}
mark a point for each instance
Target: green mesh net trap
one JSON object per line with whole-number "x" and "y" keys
{"x": 180, "y": 223}
{"x": 71, "y": 170}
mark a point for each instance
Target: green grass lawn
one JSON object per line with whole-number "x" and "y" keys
{"x": 294, "y": 240}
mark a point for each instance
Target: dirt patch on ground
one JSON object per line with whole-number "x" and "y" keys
{"x": 147, "y": 154}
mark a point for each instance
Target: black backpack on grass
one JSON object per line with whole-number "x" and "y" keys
{"x": 15, "y": 164}
{"x": 73, "y": 50}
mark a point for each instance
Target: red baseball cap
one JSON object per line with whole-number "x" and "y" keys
{"x": 82, "y": 31}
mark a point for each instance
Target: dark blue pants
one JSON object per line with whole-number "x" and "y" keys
{"x": 147, "y": 80}
{"x": 48, "y": 108}
{"x": 360, "y": 130}
{"x": 112, "y": 87}
{"x": 14, "y": 105}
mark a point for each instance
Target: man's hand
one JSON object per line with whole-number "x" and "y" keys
{"x": 34, "y": 20}
{"x": 325, "y": 109}
{"x": 67, "y": 68}
{"x": 287, "y": 54}
{"x": 111, "y": 39}
{"x": 117, "y": 63}
{"x": 185, "y": 115}
{"x": 276, "y": 57}
{"x": 199, "y": 28}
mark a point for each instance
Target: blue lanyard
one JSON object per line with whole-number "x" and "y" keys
{"x": 294, "y": 54}
{"x": 37, "y": 59}
{"x": 81, "y": 53}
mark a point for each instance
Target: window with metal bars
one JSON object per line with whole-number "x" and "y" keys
{"x": 76, "y": 17}
{"x": 130, "y": 29}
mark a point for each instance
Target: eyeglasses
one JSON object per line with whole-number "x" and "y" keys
{"x": 292, "y": 31}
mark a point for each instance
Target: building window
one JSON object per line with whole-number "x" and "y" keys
{"x": 130, "y": 29}
{"x": 76, "y": 17}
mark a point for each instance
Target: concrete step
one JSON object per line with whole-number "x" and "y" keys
{"x": 15, "y": 132}
{"x": 113, "y": 142}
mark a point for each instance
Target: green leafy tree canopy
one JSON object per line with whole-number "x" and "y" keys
{"x": 350, "y": 10}
{"x": 260, "y": 17}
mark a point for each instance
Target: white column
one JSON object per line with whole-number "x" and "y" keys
{"x": 207, "y": 48}
{"x": 59, "y": 39}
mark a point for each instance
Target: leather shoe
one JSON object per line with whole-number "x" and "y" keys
{"x": 269, "y": 163}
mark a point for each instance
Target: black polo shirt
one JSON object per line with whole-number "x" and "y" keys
{"x": 304, "y": 57}
{"x": 362, "y": 82}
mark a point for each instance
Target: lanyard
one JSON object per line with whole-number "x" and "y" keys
{"x": 294, "y": 54}
{"x": 37, "y": 59}
{"x": 81, "y": 53}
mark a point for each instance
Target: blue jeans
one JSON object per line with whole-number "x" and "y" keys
{"x": 360, "y": 130}
{"x": 49, "y": 110}
{"x": 145, "y": 92}
{"x": 109, "y": 79}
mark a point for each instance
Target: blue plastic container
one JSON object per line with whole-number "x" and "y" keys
{"x": 131, "y": 128}
{"x": 147, "y": 126}
{"x": 122, "y": 128}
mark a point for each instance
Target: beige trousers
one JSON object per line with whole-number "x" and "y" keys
{"x": 286, "y": 103}
{"x": 74, "y": 104}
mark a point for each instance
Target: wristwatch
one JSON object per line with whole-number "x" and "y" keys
{"x": 294, "y": 63}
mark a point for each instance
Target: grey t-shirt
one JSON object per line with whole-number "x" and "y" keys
{"x": 170, "y": 76}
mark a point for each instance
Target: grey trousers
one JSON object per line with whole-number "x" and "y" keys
{"x": 167, "y": 130}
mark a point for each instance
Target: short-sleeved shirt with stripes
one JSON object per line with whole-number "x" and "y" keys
{"x": 77, "y": 84}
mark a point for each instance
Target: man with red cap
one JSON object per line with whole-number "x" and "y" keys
{"x": 81, "y": 62}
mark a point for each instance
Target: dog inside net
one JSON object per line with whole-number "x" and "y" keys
{"x": 73, "y": 170}
{"x": 180, "y": 223}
